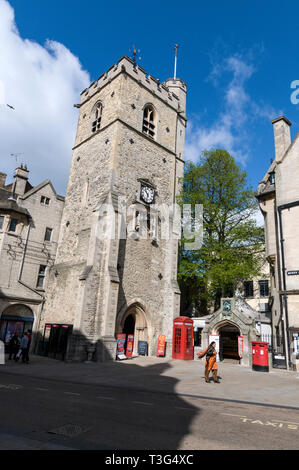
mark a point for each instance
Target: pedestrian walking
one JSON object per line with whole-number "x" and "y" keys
{"x": 211, "y": 364}
{"x": 14, "y": 345}
{"x": 24, "y": 349}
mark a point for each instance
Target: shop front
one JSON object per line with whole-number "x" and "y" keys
{"x": 15, "y": 319}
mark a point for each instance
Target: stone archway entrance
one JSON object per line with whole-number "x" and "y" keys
{"x": 15, "y": 318}
{"x": 134, "y": 322}
{"x": 228, "y": 342}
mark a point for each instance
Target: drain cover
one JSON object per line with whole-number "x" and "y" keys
{"x": 68, "y": 430}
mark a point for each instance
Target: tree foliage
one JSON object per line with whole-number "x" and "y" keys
{"x": 232, "y": 242}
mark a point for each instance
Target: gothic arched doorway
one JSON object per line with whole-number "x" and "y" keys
{"x": 228, "y": 337}
{"x": 133, "y": 322}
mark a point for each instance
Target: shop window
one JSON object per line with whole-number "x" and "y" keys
{"x": 41, "y": 277}
{"x": 13, "y": 225}
{"x": 48, "y": 234}
{"x": 248, "y": 289}
{"x": 264, "y": 288}
{"x": 1, "y": 221}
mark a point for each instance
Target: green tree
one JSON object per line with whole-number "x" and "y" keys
{"x": 232, "y": 249}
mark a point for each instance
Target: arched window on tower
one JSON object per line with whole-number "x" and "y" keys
{"x": 97, "y": 117}
{"x": 149, "y": 119}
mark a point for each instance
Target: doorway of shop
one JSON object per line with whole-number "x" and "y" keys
{"x": 229, "y": 344}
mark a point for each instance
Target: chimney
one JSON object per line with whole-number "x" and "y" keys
{"x": 20, "y": 180}
{"x": 2, "y": 179}
{"x": 282, "y": 136}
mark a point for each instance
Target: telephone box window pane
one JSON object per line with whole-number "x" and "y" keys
{"x": 177, "y": 341}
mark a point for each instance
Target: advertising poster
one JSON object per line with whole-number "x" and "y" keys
{"x": 161, "y": 345}
{"x": 240, "y": 346}
{"x": 121, "y": 341}
{"x": 130, "y": 342}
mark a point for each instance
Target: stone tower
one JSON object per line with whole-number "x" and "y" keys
{"x": 129, "y": 147}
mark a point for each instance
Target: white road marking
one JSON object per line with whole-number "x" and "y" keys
{"x": 71, "y": 393}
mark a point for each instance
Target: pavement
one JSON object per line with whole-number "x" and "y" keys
{"x": 278, "y": 388}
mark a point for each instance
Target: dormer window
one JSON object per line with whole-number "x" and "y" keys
{"x": 148, "y": 126}
{"x": 97, "y": 117}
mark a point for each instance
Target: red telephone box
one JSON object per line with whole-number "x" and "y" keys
{"x": 182, "y": 341}
{"x": 260, "y": 361}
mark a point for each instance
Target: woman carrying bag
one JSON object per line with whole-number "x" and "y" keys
{"x": 211, "y": 364}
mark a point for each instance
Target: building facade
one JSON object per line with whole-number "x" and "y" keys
{"x": 108, "y": 279}
{"x": 29, "y": 229}
{"x": 278, "y": 196}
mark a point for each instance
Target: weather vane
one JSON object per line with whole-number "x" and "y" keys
{"x": 134, "y": 53}
{"x": 16, "y": 155}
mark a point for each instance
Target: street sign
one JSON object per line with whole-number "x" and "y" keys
{"x": 293, "y": 273}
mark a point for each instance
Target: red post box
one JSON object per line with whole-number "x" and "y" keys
{"x": 260, "y": 360}
{"x": 182, "y": 341}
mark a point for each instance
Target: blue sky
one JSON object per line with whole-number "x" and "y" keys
{"x": 237, "y": 58}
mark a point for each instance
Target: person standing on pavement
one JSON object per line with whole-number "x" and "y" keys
{"x": 24, "y": 348}
{"x": 14, "y": 345}
{"x": 211, "y": 364}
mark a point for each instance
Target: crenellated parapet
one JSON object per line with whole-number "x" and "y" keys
{"x": 152, "y": 84}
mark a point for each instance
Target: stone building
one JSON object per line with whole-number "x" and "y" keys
{"x": 29, "y": 229}
{"x": 278, "y": 196}
{"x": 234, "y": 326}
{"x": 129, "y": 150}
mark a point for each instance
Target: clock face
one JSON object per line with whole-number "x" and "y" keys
{"x": 147, "y": 194}
{"x": 226, "y": 306}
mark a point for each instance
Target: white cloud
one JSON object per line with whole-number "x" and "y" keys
{"x": 42, "y": 83}
{"x": 229, "y": 130}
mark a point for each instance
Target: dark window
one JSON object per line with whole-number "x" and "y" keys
{"x": 13, "y": 225}
{"x": 272, "y": 178}
{"x": 97, "y": 118}
{"x": 248, "y": 289}
{"x": 45, "y": 200}
{"x": 149, "y": 121}
{"x": 41, "y": 276}
{"x": 48, "y": 234}
{"x": 1, "y": 221}
{"x": 264, "y": 288}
